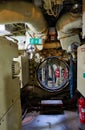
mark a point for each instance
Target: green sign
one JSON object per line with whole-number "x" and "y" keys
{"x": 36, "y": 41}
{"x": 83, "y": 74}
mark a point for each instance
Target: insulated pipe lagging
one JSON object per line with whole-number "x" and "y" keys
{"x": 23, "y": 12}
{"x": 66, "y": 27}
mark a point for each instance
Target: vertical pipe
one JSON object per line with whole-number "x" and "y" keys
{"x": 71, "y": 77}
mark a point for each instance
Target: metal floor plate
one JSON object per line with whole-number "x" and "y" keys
{"x": 67, "y": 121}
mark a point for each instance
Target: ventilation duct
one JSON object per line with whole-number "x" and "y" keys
{"x": 67, "y": 27}
{"x": 23, "y": 12}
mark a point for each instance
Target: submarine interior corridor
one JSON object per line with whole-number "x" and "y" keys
{"x": 42, "y": 65}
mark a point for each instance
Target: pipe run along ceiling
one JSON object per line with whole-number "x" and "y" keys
{"x": 20, "y": 16}
{"x": 22, "y": 12}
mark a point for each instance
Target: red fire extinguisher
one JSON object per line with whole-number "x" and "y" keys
{"x": 81, "y": 105}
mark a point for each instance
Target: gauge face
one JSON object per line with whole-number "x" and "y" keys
{"x": 53, "y": 74}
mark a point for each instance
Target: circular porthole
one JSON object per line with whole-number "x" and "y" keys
{"x": 53, "y": 74}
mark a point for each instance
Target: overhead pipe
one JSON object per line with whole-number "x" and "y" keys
{"x": 23, "y": 12}
{"x": 66, "y": 28}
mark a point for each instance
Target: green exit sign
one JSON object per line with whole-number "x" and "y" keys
{"x": 36, "y": 41}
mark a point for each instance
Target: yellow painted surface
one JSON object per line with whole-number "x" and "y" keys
{"x": 81, "y": 70}
{"x": 9, "y": 88}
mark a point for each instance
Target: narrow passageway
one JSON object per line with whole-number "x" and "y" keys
{"x": 69, "y": 120}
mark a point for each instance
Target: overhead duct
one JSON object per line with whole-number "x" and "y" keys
{"x": 23, "y": 12}
{"x": 67, "y": 27}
